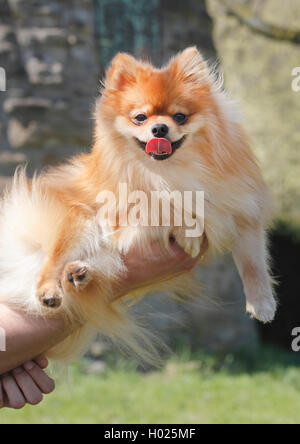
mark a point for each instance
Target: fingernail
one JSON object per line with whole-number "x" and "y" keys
{"x": 18, "y": 371}
{"x": 29, "y": 365}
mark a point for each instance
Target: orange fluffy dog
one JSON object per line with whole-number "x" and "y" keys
{"x": 156, "y": 129}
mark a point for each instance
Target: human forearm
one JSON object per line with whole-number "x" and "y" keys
{"x": 27, "y": 336}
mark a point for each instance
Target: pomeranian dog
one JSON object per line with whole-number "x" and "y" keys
{"x": 156, "y": 129}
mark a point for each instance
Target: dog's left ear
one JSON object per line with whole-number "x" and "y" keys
{"x": 190, "y": 64}
{"x": 121, "y": 71}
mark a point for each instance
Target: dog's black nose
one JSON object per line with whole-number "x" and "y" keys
{"x": 160, "y": 130}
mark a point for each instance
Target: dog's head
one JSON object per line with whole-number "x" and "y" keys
{"x": 155, "y": 111}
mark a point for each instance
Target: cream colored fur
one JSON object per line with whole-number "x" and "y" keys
{"x": 214, "y": 158}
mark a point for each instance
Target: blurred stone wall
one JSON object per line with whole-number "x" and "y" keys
{"x": 51, "y": 55}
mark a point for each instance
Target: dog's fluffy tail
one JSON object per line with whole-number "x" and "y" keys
{"x": 30, "y": 218}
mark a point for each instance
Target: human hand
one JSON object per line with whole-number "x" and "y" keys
{"x": 158, "y": 266}
{"x": 25, "y": 385}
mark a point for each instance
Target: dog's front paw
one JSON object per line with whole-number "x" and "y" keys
{"x": 263, "y": 309}
{"x": 191, "y": 245}
{"x": 50, "y": 296}
{"x": 76, "y": 276}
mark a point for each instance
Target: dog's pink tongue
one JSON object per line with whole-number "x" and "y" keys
{"x": 159, "y": 146}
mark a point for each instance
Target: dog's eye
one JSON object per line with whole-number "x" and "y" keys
{"x": 140, "y": 118}
{"x": 180, "y": 118}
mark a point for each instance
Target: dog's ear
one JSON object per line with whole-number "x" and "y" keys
{"x": 121, "y": 71}
{"x": 190, "y": 65}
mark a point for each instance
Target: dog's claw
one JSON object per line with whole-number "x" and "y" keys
{"x": 192, "y": 246}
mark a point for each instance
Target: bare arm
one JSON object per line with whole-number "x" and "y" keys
{"x": 27, "y": 337}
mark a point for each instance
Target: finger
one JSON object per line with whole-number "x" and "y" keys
{"x": 14, "y": 395}
{"x": 169, "y": 257}
{"x": 177, "y": 253}
{"x": 5, "y": 399}
{"x": 30, "y": 390}
{"x": 41, "y": 379}
{"x": 188, "y": 263}
{"x": 42, "y": 362}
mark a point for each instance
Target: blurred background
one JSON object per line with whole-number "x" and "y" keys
{"x": 225, "y": 367}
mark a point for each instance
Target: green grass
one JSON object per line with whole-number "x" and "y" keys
{"x": 263, "y": 387}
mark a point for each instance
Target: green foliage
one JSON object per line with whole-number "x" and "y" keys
{"x": 261, "y": 386}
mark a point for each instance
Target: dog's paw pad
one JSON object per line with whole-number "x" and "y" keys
{"x": 50, "y": 299}
{"x": 78, "y": 274}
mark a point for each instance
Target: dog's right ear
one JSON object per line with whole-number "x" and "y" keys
{"x": 121, "y": 72}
